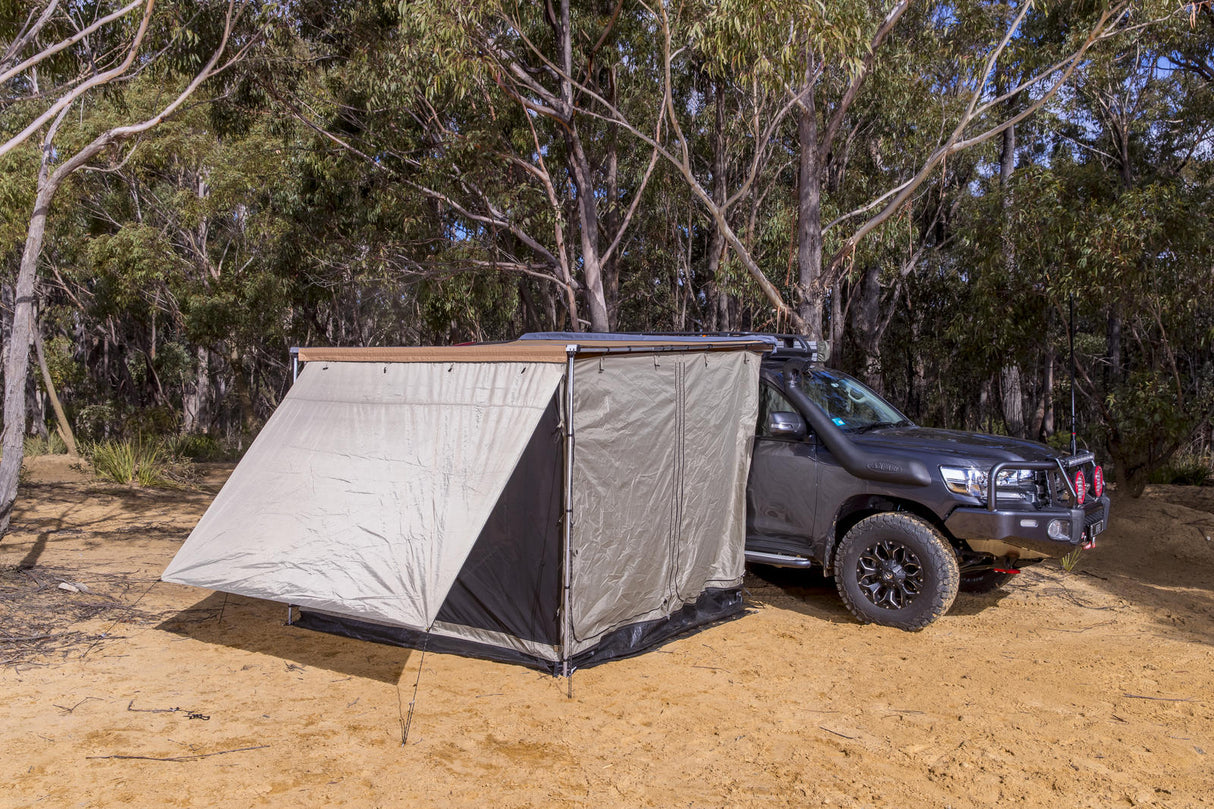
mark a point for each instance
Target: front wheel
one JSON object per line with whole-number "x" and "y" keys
{"x": 894, "y": 569}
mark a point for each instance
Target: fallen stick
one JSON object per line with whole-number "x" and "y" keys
{"x": 1160, "y": 699}
{"x": 193, "y": 757}
{"x": 837, "y": 733}
{"x": 29, "y": 639}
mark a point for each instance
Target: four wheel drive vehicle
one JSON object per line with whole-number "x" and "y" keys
{"x": 902, "y": 516}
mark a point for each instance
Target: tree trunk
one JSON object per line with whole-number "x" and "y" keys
{"x": 1043, "y": 416}
{"x": 611, "y": 218}
{"x": 809, "y": 215}
{"x": 16, "y": 367}
{"x": 600, "y": 318}
{"x": 583, "y": 179}
{"x": 1113, "y": 370}
{"x": 867, "y": 327}
{"x": 65, "y": 429}
{"x": 1011, "y": 383}
{"x": 1011, "y": 389}
{"x": 718, "y": 303}
{"x": 836, "y": 326}
{"x": 244, "y": 393}
{"x": 194, "y": 405}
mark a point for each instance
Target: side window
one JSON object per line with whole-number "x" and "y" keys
{"x": 771, "y": 401}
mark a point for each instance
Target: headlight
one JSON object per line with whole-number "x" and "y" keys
{"x": 965, "y": 480}
{"x": 970, "y": 481}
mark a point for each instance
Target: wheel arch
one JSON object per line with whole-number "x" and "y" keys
{"x": 859, "y": 506}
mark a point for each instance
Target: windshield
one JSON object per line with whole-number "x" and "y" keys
{"x": 848, "y": 403}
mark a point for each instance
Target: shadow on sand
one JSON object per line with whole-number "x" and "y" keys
{"x": 260, "y": 627}
{"x": 805, "y": 591}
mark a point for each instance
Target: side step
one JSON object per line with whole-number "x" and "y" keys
{"x": 778, "y": 559}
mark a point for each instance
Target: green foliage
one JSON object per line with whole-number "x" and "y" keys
{"x": 769, "y": 39}
{"x": 1071, "y": 560}
{"x": 52, "y": 444}
{"x": 138, "y": 462}
{"x": 1187, "y": 470}
{"x": 199, "y": 447}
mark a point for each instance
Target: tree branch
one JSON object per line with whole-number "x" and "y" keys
{"x": 96, "y": 81}
{"x": 50, "y": 51}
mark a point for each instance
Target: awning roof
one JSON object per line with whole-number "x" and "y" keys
{"x": 526, "y": 350}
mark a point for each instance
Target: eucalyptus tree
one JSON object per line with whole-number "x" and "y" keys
{"x": 90, "y": 67}
{"x": 470, "y": 110}
{"x": 1109, "y": 208}
{"x": 818, "y": 59}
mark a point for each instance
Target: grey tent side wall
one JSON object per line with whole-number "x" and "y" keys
{"x": 659, "y": 495}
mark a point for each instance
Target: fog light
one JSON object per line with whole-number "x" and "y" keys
{"x": 1059, "y": 529}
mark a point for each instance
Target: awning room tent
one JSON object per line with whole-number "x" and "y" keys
{"x": 547, "y": 502}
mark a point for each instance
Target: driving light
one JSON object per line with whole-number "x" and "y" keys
{"x": 1081, "y": 488}
{"x": 1098, "y": 482}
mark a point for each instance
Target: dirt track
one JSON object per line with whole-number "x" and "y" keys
{"x": 1089, "y": 689}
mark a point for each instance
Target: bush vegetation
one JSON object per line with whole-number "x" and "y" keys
{"x": 1185, "y": 470}
{"x": 139, "y": 462}
{"x": 51, "y": 445}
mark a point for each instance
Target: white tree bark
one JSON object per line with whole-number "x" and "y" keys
{"x": 16, "y": 368}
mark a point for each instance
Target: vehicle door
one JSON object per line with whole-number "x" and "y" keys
{"x": 782, "y": 490}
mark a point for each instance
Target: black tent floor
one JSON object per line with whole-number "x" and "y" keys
{"x": 713, "y": 606}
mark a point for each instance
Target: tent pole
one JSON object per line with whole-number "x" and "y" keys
{"x": 566, "y": 532}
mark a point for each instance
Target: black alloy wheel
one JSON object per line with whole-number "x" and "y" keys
{"x": 895, "y": 569}
{"x": 890, "y": 574}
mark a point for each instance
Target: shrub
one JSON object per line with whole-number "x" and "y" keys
{"x": 197, "y": 447}
{"x": 139, "y": 462}
{"x": 51, "y": 445}
{"x": 1185, "y": 470}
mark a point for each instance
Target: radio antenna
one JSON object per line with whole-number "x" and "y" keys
{"x": 1071, "y": 338}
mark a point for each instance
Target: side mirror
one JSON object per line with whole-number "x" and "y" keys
{"x": 785, "y": 424}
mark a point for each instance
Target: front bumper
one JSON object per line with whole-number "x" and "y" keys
{"x": 1028, "y": 528}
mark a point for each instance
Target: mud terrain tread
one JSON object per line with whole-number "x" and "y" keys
{"x": 936, "y": 555}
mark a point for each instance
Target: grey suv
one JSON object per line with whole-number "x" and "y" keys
{"x": 902, "y": 516}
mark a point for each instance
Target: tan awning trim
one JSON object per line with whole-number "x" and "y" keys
{"x": 499, "y": 352}
{"x": 517, "y": 351}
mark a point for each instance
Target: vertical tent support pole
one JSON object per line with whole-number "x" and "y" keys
{"x": 566, "y": 522}
{"x": 294, "y": 377}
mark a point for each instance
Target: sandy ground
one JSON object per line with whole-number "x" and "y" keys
{"x": 1094, "y": 688}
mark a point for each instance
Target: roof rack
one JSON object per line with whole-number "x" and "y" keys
{"x": 817, "y": 350}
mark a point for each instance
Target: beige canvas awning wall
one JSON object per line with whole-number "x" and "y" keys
{"x": 365, "y": 491}
{"x": 659, "y": 483}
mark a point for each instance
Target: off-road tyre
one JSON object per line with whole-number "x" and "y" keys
{"x": 894, "y": 569}
{"x": 984, "y": 581}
